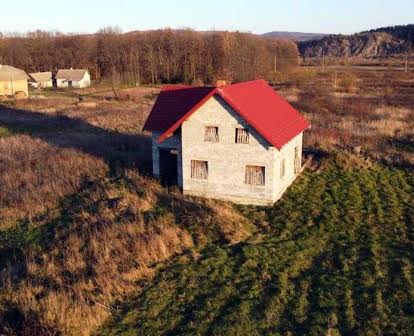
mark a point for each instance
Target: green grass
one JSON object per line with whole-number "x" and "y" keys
{"x": 334, "y": 255}
{"x": 4, "y": 132}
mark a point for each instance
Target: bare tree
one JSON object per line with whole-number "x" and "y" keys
{"x": 153, "y": 56}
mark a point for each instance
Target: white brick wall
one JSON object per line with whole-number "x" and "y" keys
{"x": 287, "y": 152}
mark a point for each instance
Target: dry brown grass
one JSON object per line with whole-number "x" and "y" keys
{"x": 104, "y": 241}
{"x": 376, "y": 119}
{"x": 233, "y": 225}
{"x": 77, "y": 303}
{"x": 85, "y": 227}
{"x": 35, "y": 175}
{"x": 127, "y": 116}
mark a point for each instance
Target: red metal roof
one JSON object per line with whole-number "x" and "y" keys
{"x": 255, "y": 101}
{"x": 174, "y": 102}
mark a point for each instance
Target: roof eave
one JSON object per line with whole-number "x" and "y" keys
{"x": 177, "y": 124}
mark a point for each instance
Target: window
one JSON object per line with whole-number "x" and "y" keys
{"x": 255, "y": 175}
{"x": 282, "y": 167}
{"x": 242, "y": 135}
{"x": 211, "y": 134}
{"x": 199, "y": 169}
{"x": 297, "y": 163}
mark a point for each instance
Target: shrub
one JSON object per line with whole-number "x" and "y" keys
{"x": 347, "y": 82}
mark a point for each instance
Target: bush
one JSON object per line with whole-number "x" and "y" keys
{"x": 347, "y": 82}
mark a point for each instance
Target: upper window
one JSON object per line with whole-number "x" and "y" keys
{"x": 199, "y": 169}
{"x": 255, "y": 175}
{"x": 282, "y": 167}
{"x": 211, "y": 134}
{"x": 242, "y": 135}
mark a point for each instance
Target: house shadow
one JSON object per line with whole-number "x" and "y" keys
{"x": 118, "y": 150}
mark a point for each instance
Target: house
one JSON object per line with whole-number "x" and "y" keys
{"x": 13, "y": 82}
{"x": 239, "y": 142}
{"x": 76, "y": 78}
{"x": 41, "y": 79}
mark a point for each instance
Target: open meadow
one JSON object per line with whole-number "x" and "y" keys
{"x": 91, "y": 244}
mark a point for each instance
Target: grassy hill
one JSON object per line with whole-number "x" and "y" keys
{"x": 91, "y": 244}
{"x": 334, "y": 257}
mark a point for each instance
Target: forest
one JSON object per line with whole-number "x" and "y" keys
{"x": 151, "y": 57}
{"x": 405, "y": 32}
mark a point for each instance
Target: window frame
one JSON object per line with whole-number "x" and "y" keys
{"x": 282, "y": 168}
{"x": 196, "y": 176}
{"x": 217, "y": 134}
{"x": 297, "y": 162}
{"x": 248, "y": 180}
{"x": 237, "y": 137}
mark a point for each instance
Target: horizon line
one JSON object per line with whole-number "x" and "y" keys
{"x": 57, "y": 31}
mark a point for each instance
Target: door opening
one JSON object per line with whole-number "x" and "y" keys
{"x": 168, "y": 166}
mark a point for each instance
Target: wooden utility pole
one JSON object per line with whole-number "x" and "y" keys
{"x": 139, "y": 71}
{"x": 408, "y": 51}
{"x": 407, "y": 55}
{"x": 275, "y": 64}
{"x": 323, "y": 62}
{"x": 406, "y": 61}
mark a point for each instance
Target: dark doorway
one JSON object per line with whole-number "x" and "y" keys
{"x": 168, "y": 166}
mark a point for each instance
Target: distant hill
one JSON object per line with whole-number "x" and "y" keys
{"x": 296, "y": 36}
{"x": 381, "y": 42}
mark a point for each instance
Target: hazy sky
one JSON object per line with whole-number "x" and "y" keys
{"x": 258, "y": 16}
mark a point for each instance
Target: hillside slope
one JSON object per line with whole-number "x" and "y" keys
{"x": 333, "y": 257}
{"x": 382, "y": 42}
{"x": 296, "y": 36}
{"x": 79, "y": 225}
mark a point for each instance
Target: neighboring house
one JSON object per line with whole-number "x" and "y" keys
{"x": 41, "y": 79}
{"x": 239, "y": 142}
{"x": 13, "y": 82}
{"x": 76, "y": 78}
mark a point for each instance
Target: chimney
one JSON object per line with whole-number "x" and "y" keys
{"x": 221, "y": 83}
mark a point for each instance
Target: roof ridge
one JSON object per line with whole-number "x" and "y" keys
{"x": 255, "y": 101}
{"x": 243, "y": 83}
{"x": 172, "y": 87}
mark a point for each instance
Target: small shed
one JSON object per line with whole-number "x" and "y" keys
{"x": 13, "y": 82}
{"x": 76, "y": 78}
{"x": 41, "y": 79}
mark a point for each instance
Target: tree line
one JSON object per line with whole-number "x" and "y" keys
{"x": 151, "y": 57}
{"x": 405, "y": 32}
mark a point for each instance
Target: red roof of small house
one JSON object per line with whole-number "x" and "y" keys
{"x": 255, "y": 101}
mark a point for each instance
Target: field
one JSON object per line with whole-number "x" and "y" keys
{"x": 90, "y": 244}
{"x": 334, "y": 257}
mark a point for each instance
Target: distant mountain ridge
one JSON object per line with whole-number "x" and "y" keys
{"x": 381, "y": 42}
{"x": 296, "y": 36}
